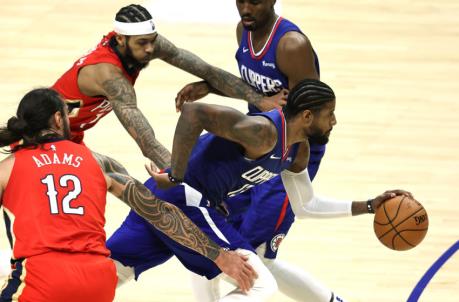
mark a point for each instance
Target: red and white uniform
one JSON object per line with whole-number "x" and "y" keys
{"x": 91, "y": 109}
{"x": 54, "y": 207}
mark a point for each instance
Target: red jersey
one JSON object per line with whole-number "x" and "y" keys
{"x": 89, "y": 109}
{"x": 55, "y": 201}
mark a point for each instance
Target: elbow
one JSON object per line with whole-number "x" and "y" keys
{"x": 190, "y": 113}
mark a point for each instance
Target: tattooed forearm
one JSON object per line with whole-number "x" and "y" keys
{"x": 165, "y": 217}
{"x": 121, "y": 94}
{"x": 254, "y": 133}
{"x": 109, "y": 165}
{"x": 225, "y": 82}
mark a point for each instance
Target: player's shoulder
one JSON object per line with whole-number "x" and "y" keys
{"x": 293, "y": 40}
{"x": 98, "y": 73}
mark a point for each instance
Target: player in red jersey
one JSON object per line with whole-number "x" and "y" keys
{"x": 53, "y": 192}
{"x": 103, "y": 80}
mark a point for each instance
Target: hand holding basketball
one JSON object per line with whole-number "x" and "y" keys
{"x": 401, "y": 222}
{"x": 380, "y": 199}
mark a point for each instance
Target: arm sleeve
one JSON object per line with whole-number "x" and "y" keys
{"x": 305, "y": 204}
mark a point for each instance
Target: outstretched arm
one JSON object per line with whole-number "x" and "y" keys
{"x": 256, "y": 134}
{"x": 170, "y": 220}
{"x": 108, "y": 80}
{"x": 306, "y": 204}
{"x": 229, "y": 84}
{"x": 164, "y": 216}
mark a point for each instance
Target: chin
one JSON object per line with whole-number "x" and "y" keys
{"x": 318, "y": 140}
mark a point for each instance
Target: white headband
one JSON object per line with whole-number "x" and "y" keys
{"x": 134, "y": 29}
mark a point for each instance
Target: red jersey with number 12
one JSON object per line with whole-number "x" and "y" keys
{"x": 55, "y": 201}
{"x": 90, "y": 109}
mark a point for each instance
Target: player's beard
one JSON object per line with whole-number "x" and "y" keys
{"x": 318, "y": 138}
{"x": 251, "y": 27}
{"x": 132, "y": 62}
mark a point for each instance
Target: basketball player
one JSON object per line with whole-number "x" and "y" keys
{"x": 53, "y": 193}
{"x": 103, "y": 79}
{"x": 273, "y": 54}
{"x": 239, "y": 152}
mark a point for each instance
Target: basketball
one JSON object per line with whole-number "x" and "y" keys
{"x": 401, "y": 223}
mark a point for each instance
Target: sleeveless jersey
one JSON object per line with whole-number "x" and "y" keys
{"x": 218, "y": 169}
{"x": 260, "y": 69}
{"x": 88, "y": 109}
{"x": 55, "y": 201}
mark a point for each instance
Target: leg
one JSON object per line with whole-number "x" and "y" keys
{"x": 55, "y": 276}
{"x": 296, "y": 283}
{"x": 135, "y": 248}
{"x": 216, "y": 228}
{"x": 130, "y": 244}
{"x": 124, "y": 273}
{"x": 265, "y": 285}
{"x": 205, "y": 290}
{"x": 208, "y": 290}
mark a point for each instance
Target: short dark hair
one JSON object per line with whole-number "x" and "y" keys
{"x": 308, "y": 94}
{"x": 32, "y": 117}
{"x": 133, "y": 13}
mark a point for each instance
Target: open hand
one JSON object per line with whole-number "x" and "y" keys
{"x": 235, "y": 265}
{"x": 190, "y": 93}
{"x": 380, "y": 199}
{"x": 161, "y": 178}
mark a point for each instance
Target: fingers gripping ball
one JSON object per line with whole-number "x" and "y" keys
{"x": 401, "y": 223}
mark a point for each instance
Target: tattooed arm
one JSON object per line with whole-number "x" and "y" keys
{"x": 108, "y": 80}
{"x": 223, "y": 81}
{"x": 170, "y": 220}
{"x": 164, "y": 216}
{"x": 256, "y": 134}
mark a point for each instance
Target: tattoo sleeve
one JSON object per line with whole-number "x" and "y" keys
{"x": 122, "y": 97}
{"x": 164, "y": 216}
{"x": 254, "y": 133}
{"x": 223, "y": 81}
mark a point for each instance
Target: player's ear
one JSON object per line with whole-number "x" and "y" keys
{"x": 57, "y": 121}
{"x": 121, "y": 40}
{"x": 307, "y": 116}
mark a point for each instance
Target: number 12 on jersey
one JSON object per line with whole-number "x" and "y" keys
{"x": 71, "y": 195}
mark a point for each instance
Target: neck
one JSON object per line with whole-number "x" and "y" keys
{"x": 294, "y": 133}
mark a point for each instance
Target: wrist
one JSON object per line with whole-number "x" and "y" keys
{"x": 174, "y": 179}
{"x": 210, "y": 88}
{"x": 359, "y": 208}
{"x": 370, "y": 208}
{"x": 219, "y": 259}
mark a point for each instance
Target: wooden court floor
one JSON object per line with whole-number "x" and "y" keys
{"x": 394, "y": 66}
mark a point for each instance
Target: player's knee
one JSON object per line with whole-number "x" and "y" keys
{"x": 268, "y": 283}
{"x": 265, "y": 282}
